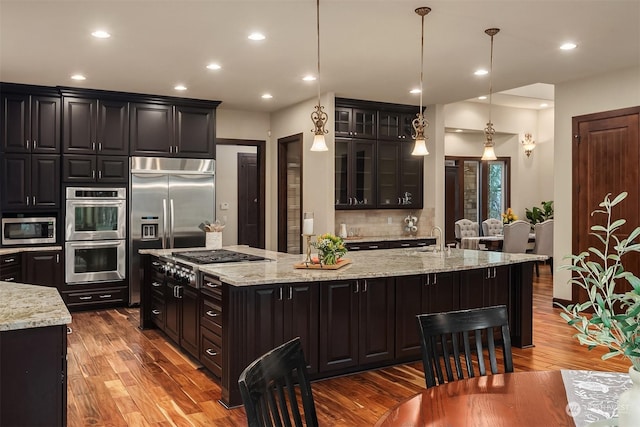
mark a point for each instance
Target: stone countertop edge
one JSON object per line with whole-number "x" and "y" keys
{"x": 18, "y": 249}
{"x": 25, "y": 306}
{"x": 365, "y": 264}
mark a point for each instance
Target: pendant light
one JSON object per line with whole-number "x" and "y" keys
{"x": 419, "y": 123}
{"x": 319, "y": 116}
{"x": 489, "y": 131}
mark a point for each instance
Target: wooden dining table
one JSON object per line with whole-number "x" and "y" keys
{"x": 523, "y": 399}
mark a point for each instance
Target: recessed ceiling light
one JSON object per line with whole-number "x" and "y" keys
{"x": 256, "y": 36}
{"x": 568, "y": 46}
{"x": 180, "y": 87}
{"x": 309, "y": 78}
{"x": 101, "y": 34}
{"x": 544, "y": 105}
{"x": 481, "y": 72}
{"x": 214, "y": 66}
{"x": 482, "y": 98}
{"x": 78, "y": 77}
{"x": 267, "y": 96}
{"x": 415, "y": 91}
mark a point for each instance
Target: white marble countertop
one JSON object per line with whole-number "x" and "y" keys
{"x": 18, "y": 249}
{"x": 29, "y": 306}
{"x": 365, "y": 264}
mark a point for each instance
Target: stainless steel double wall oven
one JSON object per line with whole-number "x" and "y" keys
{"x": 95, "y": 234}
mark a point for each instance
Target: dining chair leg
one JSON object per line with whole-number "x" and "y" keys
{"x": 537, "y": 268}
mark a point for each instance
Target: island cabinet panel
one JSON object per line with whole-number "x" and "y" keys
{"x": 428, "y": 293}
{"x": 356, "y": 323}
{"x": 376, "y": 320}
{"x": 33, "y": 377}
{"x": 211, "y": 326}
{"x": 280, "y": 313}
{"x": 172, "y": 312}
{"x": 11, "y": 268}
{"x": 485, "y": 287}
{"x": 190, "y": 320}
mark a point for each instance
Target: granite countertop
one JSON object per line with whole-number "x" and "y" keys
{"x": 18, "y": 249}
{"x": 29, "y": 306}
{"x": 365, "y": 264}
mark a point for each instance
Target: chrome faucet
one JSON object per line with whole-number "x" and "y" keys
{"x": 439, "y": 246}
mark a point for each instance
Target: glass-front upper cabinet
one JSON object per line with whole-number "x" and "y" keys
{"x": 355, "y": 122}
{"x": 354, "y": 174}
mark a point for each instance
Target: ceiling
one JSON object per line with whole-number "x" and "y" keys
{"x": 369, "y": 49}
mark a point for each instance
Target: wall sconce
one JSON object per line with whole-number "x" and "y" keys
{"x": 528, "y": 144}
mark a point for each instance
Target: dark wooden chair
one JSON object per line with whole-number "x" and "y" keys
{"x": 449, "y": 339}
{"x": 268, "y": 388}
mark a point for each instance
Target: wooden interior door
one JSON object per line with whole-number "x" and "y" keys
{"x": 606, "y": 154}
{"x": 290, "y": 194}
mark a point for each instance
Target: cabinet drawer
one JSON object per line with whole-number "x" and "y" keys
{"x": 8, "y": 261}
{"x": 157, "y": 311}
{"x": 367, "y": 246}
{"x": 411, "y": 243}
{"x": 95, "y": 297}
{"x": 212, "y": 287}
{"x": 211, "y": 315}
{"x": 210, "y": 352}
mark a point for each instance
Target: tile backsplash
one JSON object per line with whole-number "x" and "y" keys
{"x": 376, "y": 223}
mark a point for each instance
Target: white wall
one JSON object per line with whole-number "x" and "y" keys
{"x": 592, "y": 95}
{"x": 227, "y": 189}
{"x": 317, "y": 167}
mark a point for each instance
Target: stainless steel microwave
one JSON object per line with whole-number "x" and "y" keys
{"x": 28, "y": 231}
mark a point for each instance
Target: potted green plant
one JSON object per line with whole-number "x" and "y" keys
{"x": 535, "y": 214}
{"x": 608, "y": 318}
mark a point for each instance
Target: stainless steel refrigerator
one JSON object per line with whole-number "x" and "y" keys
{"x": 170, "y": 198}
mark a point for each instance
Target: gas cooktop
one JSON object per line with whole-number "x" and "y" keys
{"x": 216, "y": 256}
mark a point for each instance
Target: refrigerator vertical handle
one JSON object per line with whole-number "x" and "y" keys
{"x": 171, "y": 230}
{"x": 164, "y": 223}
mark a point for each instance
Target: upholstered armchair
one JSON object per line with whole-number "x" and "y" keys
{"x": 466, "y": 228}
{"x": 516, "y": 237}
{"x": 544, "y": 241}
{"x": 491, "y": 227}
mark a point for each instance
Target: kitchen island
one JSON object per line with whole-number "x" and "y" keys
{"x": 33, "y": 351}
{"x": 359, "y": 317}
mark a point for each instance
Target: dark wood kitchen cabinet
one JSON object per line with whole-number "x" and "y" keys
{"x": 44, "y": 268}
{"x": 30, "y": 181}
{"x": 182, "y": 316}
{"x": 211, "y": 325}
{"x": 95, "y": 126}
{"x": 395, "y": 125}
{"x": 485, "y": 287}
{"x": 95, "y": 169}
{"x": 355, "y": 122}
{"x": 281, "y": 313}
{"x": 356, "y": 323}
{"x": 11, "y": 267}
{"x": 425, "y": 293}
{"x": 181, "y": 130}
{"x": 33, "y": 376}
{"x": 355, "y": 179}
{"x": 400, "y": 175}
{"x": 30, "y": 122}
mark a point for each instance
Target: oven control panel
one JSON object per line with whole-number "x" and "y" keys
{"x": 183, "y": 274}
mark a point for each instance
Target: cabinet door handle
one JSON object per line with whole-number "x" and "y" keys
{"x": 280, "y": 293}
{"x": 212, "y": 313}
{"x": 357, "y": 288}
{"x": 33, "y": 200}
{"x": 93, "y": 146}
{"x": 210, "y": 352}
{"x": 85, "y": 298}
{"x": 404, "y": 245}
{"x": 156, "y": 284}
{"x": 435, "y": 279}
{"x": 9, "y": 279}
{"x": 26, "y": 144}
{"x": 35, "y": 144}
{"x": 428, "y": 281}
{"x": 99, "y": 174}
{"x": 9, "y": 260}
{"x": 365, "y": 287}
{"x": 100, "y": 146}
{"x": 105, "y": 296}
{"x": 155, "y": 312}
{"x": 354, "y": 248}
{"x": 69, "y": 330}
{"x": 93, "y": 174}
{"x": 176, "y": 151}
{"x": 290, "y": 292}
{"x": 374, "y": 247}
{"x": 57, "y": 258}
{"x": 212, "y": 285}
{"x": 27, "y": 200}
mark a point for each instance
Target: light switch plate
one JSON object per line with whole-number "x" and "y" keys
{"x": 224, "y": 206}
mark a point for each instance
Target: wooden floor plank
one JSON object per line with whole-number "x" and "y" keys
{"x": 121, "y": 375}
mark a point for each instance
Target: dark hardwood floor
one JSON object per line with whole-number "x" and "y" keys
{"x": 120, "y": 375}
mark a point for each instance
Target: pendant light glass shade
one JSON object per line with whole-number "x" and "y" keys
{"x": 319, "y": 116}
{"x": 420, "y": 123}
{"x": 489, "y": 153}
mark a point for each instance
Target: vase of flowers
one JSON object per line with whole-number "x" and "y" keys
{"x": 330, "y": 248}
{"x": 608, "y": 318}
{"x": 509, "y": 216}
